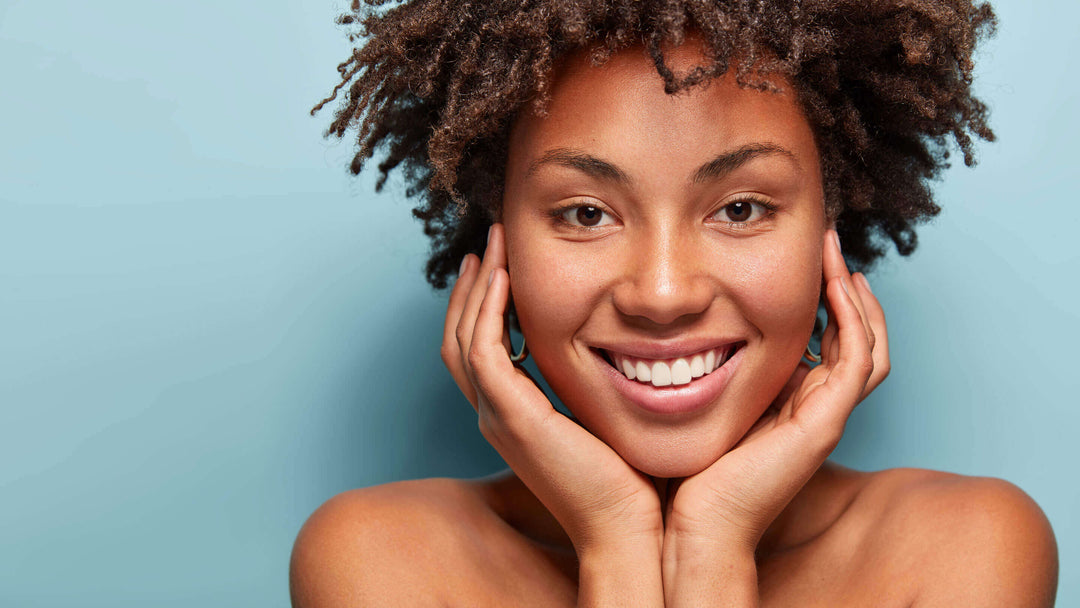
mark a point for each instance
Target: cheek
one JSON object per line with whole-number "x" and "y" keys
{"x": 779, "y": 288}
{"x": 553, "y": 291}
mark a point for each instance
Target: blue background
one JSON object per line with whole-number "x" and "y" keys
{"x": 207, "y": 328}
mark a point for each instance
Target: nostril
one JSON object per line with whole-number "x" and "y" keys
{"x": 663, "y": 303}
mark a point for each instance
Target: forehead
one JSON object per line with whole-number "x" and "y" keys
{"x": 619, "y": 111}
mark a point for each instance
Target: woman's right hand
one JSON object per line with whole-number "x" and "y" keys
{"x": 605, "y": 506}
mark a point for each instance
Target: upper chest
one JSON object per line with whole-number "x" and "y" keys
{"x": 854, "y": 561}
{"x": 833, "y": 571}
{"x": 509, "y": 569}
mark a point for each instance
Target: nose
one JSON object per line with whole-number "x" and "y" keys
{"x": 665, "y": 278}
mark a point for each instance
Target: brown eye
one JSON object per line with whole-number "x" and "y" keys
{"x": 586, "y": 216}
{"x": 589, "y": 216}
{"x": 744, "y": 212}
{"x": 739, "y": 211}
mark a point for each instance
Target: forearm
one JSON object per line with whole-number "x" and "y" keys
{"x": 626, "y": 576}
{"x": 713, "y": 575}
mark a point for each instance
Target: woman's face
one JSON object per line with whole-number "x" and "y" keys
{"x": 645, "y": 231}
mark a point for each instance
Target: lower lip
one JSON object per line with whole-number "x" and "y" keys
{"x": 671, "y": 400}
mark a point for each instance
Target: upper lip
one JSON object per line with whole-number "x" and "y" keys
{"x": 674, "y": 349}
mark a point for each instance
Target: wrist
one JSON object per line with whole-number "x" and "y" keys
{"x": 704, "y": 571}
{"x": 610, "y": 541}
{"x": 715, "y": 534}
{"x": 625, "y": 572}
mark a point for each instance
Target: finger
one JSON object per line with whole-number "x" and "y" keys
{"x": 846, "y": 376}
{"x": 486, "y": 353}
{"x": 856, "y": 296}
{"x": 516, "y": 417}
{"x": 875, "y": 315}
{"x": 828, "y": 342}
{"x": 493, "y": 257}
{"x": 494, "y": 372}
{"x": 834, "y": 266}
{"x": 829, "y": 351}
{"x": 507, "y": 344}
{"x": 451, "y": 353}
{"x": 854, "y": 363}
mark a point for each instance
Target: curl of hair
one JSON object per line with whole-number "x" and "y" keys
{"x": 885, "y": 86}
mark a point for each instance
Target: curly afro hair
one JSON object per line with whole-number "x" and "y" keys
{"x": 436, "y": 84}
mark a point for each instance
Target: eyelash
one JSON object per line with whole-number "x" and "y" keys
{"x": 769, "y": 210}
{"x": 559, "y": 214}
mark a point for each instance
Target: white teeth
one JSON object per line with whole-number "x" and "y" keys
{"x": 661, "y": 374}
{"x": 697, "y": 366}
{"x": 680, "y": 372}
{"x": 644, "y": 374}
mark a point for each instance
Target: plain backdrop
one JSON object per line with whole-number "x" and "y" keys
{"x": 207, "y": 328}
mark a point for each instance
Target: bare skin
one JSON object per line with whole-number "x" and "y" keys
{"x": 644, "y": 226}
{"x": 902, "y": 537}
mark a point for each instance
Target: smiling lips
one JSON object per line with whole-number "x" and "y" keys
{"x": 669, "y": 372}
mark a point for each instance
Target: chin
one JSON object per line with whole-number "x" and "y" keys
{"x": 670, "y": 456}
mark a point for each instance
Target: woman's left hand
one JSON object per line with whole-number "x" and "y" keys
{"x": 727, "y": 507}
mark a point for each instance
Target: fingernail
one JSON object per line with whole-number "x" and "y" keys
{"x": 491, "y": 276}
{"x": 464, "y": 263}
{"x": 843, "y": 283}
{"x": 865, "y": 283}
{"x": 836, "y": 237}
{"x": 489, "y": 232}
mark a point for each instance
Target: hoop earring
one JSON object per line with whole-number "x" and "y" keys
{"x": 521, "y": 355}
{"x": 810, "y": 356}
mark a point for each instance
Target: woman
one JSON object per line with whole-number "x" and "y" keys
{"x": 668, "y": 192}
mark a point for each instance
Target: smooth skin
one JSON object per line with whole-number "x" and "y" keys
{"x": 730, "y": 505}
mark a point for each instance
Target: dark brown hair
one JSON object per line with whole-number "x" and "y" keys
{"x": 435, "y": 84}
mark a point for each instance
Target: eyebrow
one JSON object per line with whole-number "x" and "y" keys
{"x": 715, "y": 169}
{"x": 584, "y": 162}
{"x": 727, "y": 162}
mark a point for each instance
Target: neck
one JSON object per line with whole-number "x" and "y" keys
{"x": 809, "y": 514}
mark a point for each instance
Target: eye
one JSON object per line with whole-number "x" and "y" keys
{"x": 744, "y": 211}
{"x": 586, "y": 216}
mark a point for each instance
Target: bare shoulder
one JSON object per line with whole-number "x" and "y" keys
{"x": 967, "y": 541}
{"x": 384, "y": 545}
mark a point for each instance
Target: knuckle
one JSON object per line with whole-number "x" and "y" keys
{"x": 865, "y": 367}
{"x": 883, "y": 368}
{"x": 448, "y": 352}
{"x": 476, "y": 357}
